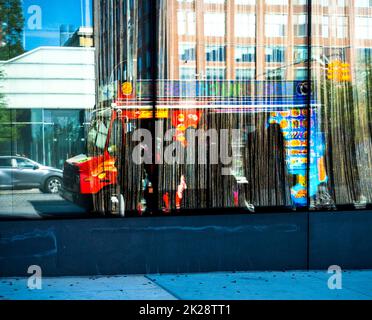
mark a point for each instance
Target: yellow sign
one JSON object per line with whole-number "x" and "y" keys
{"x": 338, "y": 71}
{"x": 161, "y": 113}
{"x": 127, "y": 88}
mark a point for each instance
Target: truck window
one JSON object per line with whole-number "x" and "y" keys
{"x": 116, "y": 138}
{"x": 97, "y": 136}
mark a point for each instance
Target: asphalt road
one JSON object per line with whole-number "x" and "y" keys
{"x": 33, "y": 204}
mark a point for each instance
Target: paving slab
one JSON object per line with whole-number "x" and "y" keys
{"x": 291, "y": 285}
{"x": 84, "y": 288}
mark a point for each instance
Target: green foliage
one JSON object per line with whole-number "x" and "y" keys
{"x": 2, "y": 104}
{"x": 11, "y": 28}
{"x": 5, "y": 131}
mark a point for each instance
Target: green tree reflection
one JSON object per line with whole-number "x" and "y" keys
{"x": 11, "y": 29}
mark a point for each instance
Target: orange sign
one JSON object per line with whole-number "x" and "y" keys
{"x": 338, "y": 71}
{"x": 127, "y": 88}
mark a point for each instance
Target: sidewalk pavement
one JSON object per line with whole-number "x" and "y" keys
{"x": 307, "y": 285}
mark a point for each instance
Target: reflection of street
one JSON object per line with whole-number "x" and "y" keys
{"x": 34, "y": 204}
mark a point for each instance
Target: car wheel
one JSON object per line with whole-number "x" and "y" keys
{"x": 53, "y": 185}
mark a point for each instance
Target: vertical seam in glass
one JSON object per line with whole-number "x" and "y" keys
{"x": 309, "y": 58}
{"x": 154, "y": 57}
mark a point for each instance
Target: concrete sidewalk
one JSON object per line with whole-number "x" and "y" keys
{"x": 214, "y": 286}
{"x": 85, "y": 288}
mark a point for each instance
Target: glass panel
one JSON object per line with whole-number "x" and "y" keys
{"x": 220, "y": 103}
{"x": 187, "y": 52}
{"x": 341, "y": 73}
{"x": 245, "y": 25}
{"x": 275, "y": 24}
{"x": 214, "y": 24}
{"x": 245, "y": 54}
{"x": 47, "y": 87}
{"x": 224, "y": 111}
{"x": 215, "y": 53}
{"x": 206, "y": 104}
{"x": 245, "y": 74}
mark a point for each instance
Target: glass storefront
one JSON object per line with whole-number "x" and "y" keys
{"x": 254, "y": 106}
{"x": 48, "y": 137}
{"x": 244, "y": 67}
{"x": 46, "y": 97}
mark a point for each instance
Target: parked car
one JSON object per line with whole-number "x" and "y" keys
{"x": 21, "y": 173}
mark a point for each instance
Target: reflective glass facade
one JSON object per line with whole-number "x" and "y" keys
{"x": 177, "y": 106}
{"x": 44, "y": 86}
{"x": 47, "y": 92}
{"x": 291, "y": 96}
